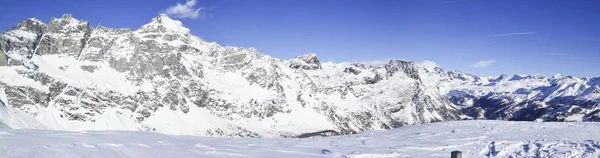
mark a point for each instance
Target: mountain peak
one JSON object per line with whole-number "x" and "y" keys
{"x": 67, "y": 16}
{"x": 29, "y": 23}
{"x": 307, "y": 61}
{"x": 161, "y": 17}
{"x": 163, "y": 23}
{"x": 557, "y": 76}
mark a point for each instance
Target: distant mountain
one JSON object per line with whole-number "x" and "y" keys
{"x": 68, "y": 75}
{"x": 530, "y": 97}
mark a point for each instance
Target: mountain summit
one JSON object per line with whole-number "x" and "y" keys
{"x": 67, "y": 75}
{"x": 162, "y": 23}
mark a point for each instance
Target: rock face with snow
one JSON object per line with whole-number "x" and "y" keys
{"x": 307, "y": 62}
{"x": 68, "y": 75}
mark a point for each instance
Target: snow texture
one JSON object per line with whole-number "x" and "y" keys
{"x": 473, "y": 138}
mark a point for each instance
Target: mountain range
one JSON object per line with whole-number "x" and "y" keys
{"x": 69, "y": 75}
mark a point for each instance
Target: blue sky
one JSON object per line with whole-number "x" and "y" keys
{"x": 482, "y": 37}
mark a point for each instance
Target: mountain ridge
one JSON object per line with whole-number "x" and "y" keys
{"x": 68, "y": 75}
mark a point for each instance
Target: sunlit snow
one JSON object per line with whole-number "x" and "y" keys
{"x": 473, "y": 138}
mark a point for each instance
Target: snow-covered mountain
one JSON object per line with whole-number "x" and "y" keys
{"x": 68, "y": 75}
{"x": 530, "y": 97}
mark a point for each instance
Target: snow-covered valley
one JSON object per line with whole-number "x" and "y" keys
{"x": 475, "y": 138}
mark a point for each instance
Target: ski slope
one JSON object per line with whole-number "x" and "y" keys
{"x": 474, "y": 138}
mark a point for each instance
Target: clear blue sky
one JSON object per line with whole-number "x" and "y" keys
{"x": 520, "y": 36}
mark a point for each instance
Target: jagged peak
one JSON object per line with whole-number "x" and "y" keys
{"x": 408, "y": 67}
{"x": 162, "y": 15}
{"x": 455, "y": 74}
{"x": 503, "y": 77}
{"x": 400, "y": 63}
{"x": 557, "y": 76}
{"x": 101, "y": 28}
{"x": 31, "y": 21}
{"x": 308, "y": 61}
{"x": 35, "y": 20}
{"x": 538, "y": 76}
{"x": 524, "y": 76}
{"x": 68, "y": 22}
{"x": 164, "y": 21}
{"x": 517, "y": 77}
{"x": 111, "y": 31}
{"x": 67, "y": 16}
{"x": 32, "y": 24}
{"x": 307, "y": 56}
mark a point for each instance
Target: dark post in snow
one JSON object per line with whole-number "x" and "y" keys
{"x": 456, "y": 154}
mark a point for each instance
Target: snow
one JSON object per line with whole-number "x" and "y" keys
{"x": 196, "y": 122}
{"x": 575, "y": 117}
{"x": 164, "y": 20}
{"x": 71, "y": 24}
{"x": 428, "y": 65}
{"x": 237, "y": 87}
{"x": 299, "y": 121}
{"x": 19, "y": 35}
{"x": 104, "y": 78}
{"x": 111, "y": 119}
{"x": 473, "y": 138}
{"x": 11, "y": 77}
{"x": 13, "y": 118}
{"x": 36, "y": 21}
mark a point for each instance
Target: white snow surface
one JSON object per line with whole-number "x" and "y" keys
{"x": 474, "y": 138}
{"x": 170, "y": 24}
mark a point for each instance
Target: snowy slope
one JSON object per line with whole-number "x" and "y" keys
{"x": 473, "y": 138}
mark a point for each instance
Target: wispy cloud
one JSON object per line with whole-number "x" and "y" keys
{"x": 515, "y": 34}
{"x": 184, "y": 11}
{"x": 483, "y": 63}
